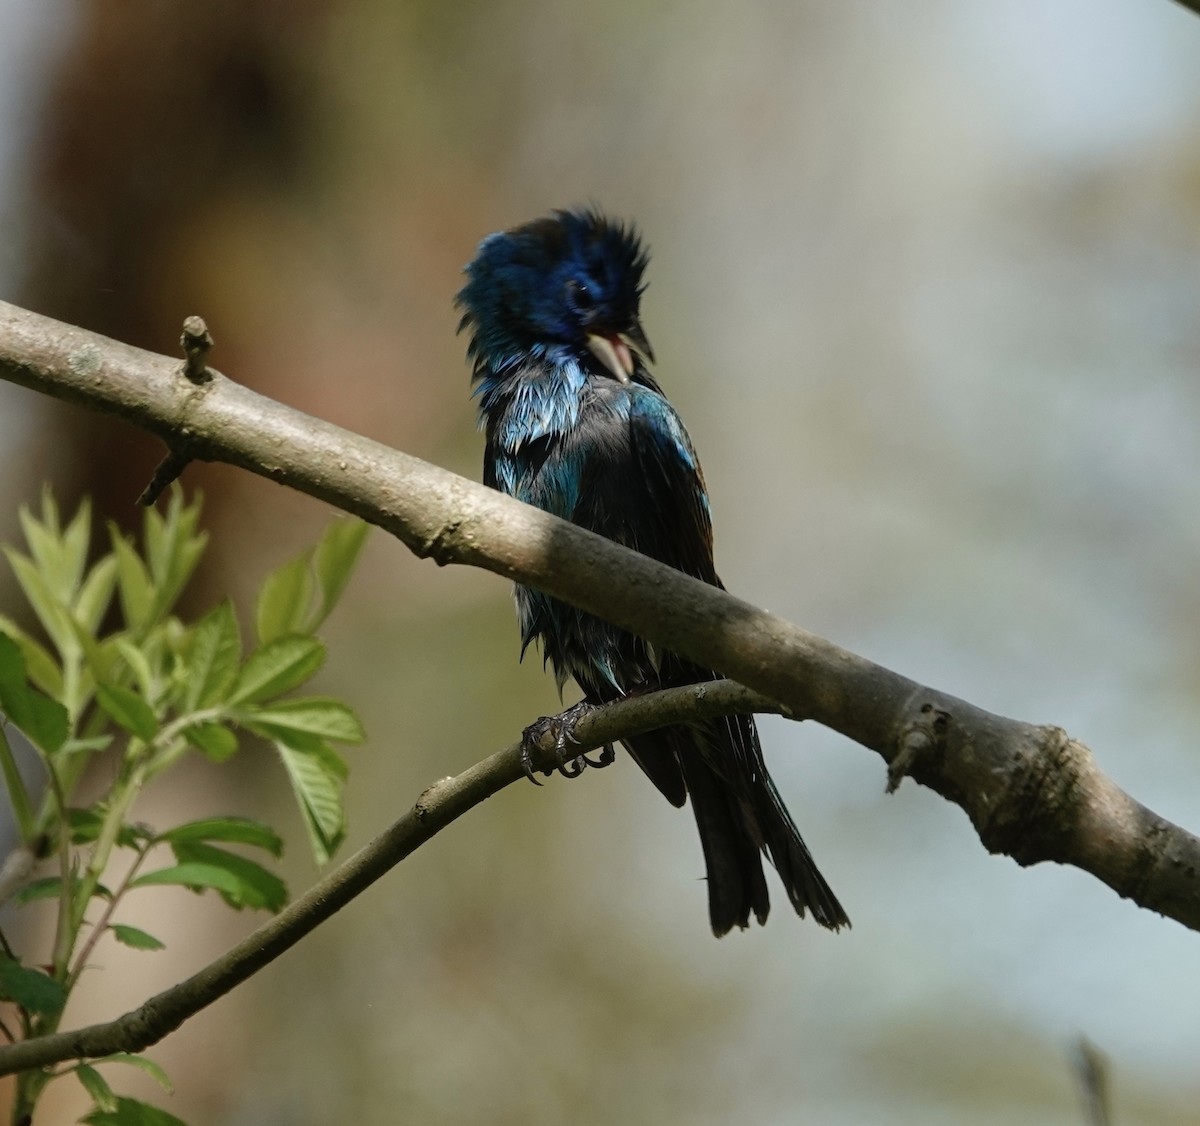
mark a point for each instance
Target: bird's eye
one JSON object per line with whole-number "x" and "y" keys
{"x": 580, "y": 297}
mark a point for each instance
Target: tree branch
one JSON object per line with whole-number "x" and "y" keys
{"x": 1031, "y": 792}
{"x": 437, "y": 807}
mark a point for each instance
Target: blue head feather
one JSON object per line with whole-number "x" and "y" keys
{"x": 539, "y": 290}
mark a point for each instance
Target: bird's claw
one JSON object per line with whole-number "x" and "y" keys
{"x": 562, "y": 727}
{"x": 606, "y": 756}
{"x": 528, "y": 742}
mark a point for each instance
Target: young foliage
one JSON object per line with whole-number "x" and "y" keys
{"x": 116, "y": 670}
{"x": 30, "y": 989}
{"x": 131, "y": 1112}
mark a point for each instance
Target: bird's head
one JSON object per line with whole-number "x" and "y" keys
{"x": 567, "y": 284}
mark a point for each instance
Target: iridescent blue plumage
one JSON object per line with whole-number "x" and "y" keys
{"x": 576, "y": 425}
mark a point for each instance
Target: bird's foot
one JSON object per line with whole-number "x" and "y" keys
{"x": 562, "y": 728}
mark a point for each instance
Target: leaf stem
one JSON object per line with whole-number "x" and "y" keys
{"x": 63, "y": 936}
{"x": 101, "y": 924}
{"x": 122, "y": 797}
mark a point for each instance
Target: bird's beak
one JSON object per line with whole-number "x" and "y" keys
{"x": 615, "y": 353}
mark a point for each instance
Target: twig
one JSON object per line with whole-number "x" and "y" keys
{"x": 101, "y": 924}
{"x": 196, "y": 341}
{"x": 437, "y": 807}
{"x": 169, "y": 469}
{"x": 1091, "y": 1066}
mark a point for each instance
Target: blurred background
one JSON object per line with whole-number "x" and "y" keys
{"x": 925, "y": 284}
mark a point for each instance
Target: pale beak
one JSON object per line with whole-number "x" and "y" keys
{"x": 614, "y": 351}
{"x": 614, "y": 354}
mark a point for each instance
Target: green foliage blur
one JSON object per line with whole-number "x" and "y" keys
{"x": 120, "y": 677}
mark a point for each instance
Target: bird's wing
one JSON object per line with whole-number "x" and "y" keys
{"x": 677, "y": 528}
{"x": 682, "y": 537}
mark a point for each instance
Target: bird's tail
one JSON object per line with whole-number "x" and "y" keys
{"x": 805, "y": 885}
{"x": 740, "y": 815}
{"x": 732, "y": 856}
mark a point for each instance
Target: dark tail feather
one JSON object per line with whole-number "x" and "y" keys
{"x": 736, "y": 885}
{"x": 657, "y": 757}
{"x": 805, "y": 885}
{"x": 740, "y": 815}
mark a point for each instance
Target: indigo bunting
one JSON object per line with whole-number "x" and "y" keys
{"x": 576, "y": 425}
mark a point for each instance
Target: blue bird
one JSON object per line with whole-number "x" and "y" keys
{"x": 576, "y": 425}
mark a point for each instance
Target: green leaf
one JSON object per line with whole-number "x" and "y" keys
{"x": 315, "y": 715}
{"x": 96, "y": 594}
{"x": 46, "y": 888}
{"x": 101, "y": 657}
{"x": 129, "y": 710}
{"x": 214, "y": 739}
{"x": 285, "y": 603}
{"x": 155, "y": 546}
{"x": 139, "y": 665}
{"x": 41, "y": 668}
{"x": 132, "y": 1112}
{"x": 278, "y": 667}
{"x": 148, "y": 1066}
{"x": 240, "y": 882}
{"x": 74, "y": 548}
{"x": 316, "y": 773}
{"x": 50, "y": 887}
{"x": 50, "y": 612}
{"x": 234, "y": 830}
{"x": 213, "y": 660}
{"x": 30, "y": 988}
{"x": 96, "y": 1086}
{"x": 138, "y": 939}
{"x": 133, "y": 583}
{"x": 12, "y": 666}
{"x": 256, "y": 887}
{"x": 50, "y": 510}
{"x": 43, "y": 721}
{"x": 46, "y": 722}
{"x": 84, "y": 825}
{"x": 334, "y": 559}
{"x": 284, "y": 600}
{"x": 173, "y": 548}
{"x": 59, "y": 555}
{"x": 331, "y": 762}
{"x": 41, "y": 538}
{"x": 195, "y": 877}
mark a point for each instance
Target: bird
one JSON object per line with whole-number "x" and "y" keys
{"x": 576, "y": 424}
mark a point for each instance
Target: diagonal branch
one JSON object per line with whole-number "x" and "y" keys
{"x": 437, "y": 807}
{"x": 1031, "y": 792}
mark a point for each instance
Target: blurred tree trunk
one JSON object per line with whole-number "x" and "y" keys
{"x": 158, "y": 113}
